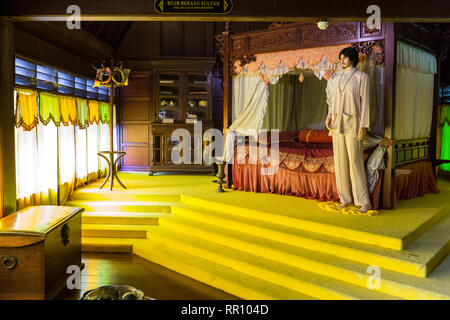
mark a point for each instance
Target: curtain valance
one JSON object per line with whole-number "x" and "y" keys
{"x": 416, "y": 59}
{"x": 94, "y": 115}
{"x": 26, "y": 110}
{"x": 82, "y": 113}
{"x": 33, "y": 107}
{"x": 68, "y": 107}
{"x": 279, "y": 63}
{"x": 104, "y": 112}
{"x": 445, "y": 115}
{"x": 49, "y": 108}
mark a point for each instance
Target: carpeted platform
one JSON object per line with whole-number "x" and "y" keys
{"x": 281, "y": 246}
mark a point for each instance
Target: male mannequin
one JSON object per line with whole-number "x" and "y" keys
{"x": 347, "y": 122}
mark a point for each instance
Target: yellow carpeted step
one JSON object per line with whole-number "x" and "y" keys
{"x": 121, "y": 206}
{"x": 215, "y": 275}
{"x": 296, "y": 279}
{"x": 418, "y": 261}
{"x": 122, "y": 218}
{"x": 113, "y": 231}
{"x": 355, "y": 273}
{"x": 393, "y": 239}
{"x": 312, "y": 226}
{"x": 119, "y": 245}
{"x": 89, "y": 194}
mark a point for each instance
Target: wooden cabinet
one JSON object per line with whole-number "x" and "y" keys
{"x": 165, "y": 146}
{"x": 37, "y": 245}
{"x": 183, "y": 95}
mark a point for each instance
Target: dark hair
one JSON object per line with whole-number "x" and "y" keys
{"x": 351, "y": 53}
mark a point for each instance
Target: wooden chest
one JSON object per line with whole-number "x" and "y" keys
{"x": 37, "y": 245}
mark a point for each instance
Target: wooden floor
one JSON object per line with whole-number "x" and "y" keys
{"x": 154, "y": 280}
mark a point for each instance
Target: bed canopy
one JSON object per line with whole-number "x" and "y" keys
{"x": 400, "y": 60}
{"x": 298, "y": 102}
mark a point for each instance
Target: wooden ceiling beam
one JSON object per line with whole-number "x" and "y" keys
{"x": 80, "y": 42}
{"x": 248, "y": 10}
{"x": 233, "y": 18}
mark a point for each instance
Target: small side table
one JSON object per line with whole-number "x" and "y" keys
{"x": 112, "y": 172}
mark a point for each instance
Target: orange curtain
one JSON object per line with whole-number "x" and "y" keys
{"x": 94, "y": 115}
{"x": 26, "y": 115}
{"x": 68, "y": 107}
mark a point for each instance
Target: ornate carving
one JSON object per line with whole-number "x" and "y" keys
{"x": 366, "y": 47}
{"x": 281, "y": 38}
{"x": 333, "y": 32}
{"x": 219, "y": 45}
{"x": 366, "y": 32}
{"x": 239, "y": 44}
{"x": 243, "y": 60}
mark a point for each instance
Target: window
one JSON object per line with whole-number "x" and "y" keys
{"x": 36, "y": 76}
{"x": 444, "y": 94}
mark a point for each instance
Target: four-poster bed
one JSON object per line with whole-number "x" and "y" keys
{"x": 405, "y": 117}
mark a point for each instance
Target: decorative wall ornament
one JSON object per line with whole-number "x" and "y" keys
{"x": 375, "y": 46}
{"x": 333, "y": 32}
{"x": 282, "y": 38}
{"x": 367, "y": 32}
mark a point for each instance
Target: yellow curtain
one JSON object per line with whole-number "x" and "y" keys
{"x": 26, "y": 115}
{"x": 94, "y": 116}
{"x": 68, "y": 107}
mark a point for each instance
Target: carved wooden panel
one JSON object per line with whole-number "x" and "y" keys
{"x": 283, "y": 38}
{"x": 335, "y": 33}
{"x": 365, "y": 32}
{"x": 239, "y": 43}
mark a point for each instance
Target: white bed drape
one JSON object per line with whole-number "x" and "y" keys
{"x": 414, "y": 92}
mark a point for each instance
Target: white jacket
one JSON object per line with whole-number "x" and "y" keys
{"x": 349, "y": 110}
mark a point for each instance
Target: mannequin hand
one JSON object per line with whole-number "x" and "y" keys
{"x": 328, "y": 123}
{"x": 362, "y": 134}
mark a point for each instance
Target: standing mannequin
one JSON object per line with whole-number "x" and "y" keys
{"x": 347, "y": 122}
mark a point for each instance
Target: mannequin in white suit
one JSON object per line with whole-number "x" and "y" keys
{"x": 347, "y": 122}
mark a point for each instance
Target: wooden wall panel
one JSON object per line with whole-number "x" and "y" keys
{"x": 137, "y": 156}
{"x": 136, "y": 105}
{"x": 138, "y": 87}
{"x": 172, "y": 40}
{"x": 194, "y": 39}
{"x": 135, "y": 109}
{"x": 135, "y": 133}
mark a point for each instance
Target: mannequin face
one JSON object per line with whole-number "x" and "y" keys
{"x": 345, "y": 62}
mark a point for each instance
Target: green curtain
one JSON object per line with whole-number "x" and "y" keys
{"x": 445, "y": 114}
{"x": 445, "y": 148}
{"x": 293, "y": 105}
{"x": 82, "y": 113}
{"x": 313, "y": 106}
{"x": 49, "y": 108}
{"x": 281, "y": 113}
{"x": 104, "y": 112}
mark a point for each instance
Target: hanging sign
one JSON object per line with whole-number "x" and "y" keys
{"x": 193, "y": 7}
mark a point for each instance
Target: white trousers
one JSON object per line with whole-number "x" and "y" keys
{"x": 351, "y": 180}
